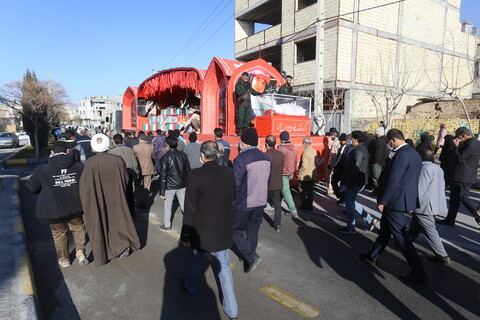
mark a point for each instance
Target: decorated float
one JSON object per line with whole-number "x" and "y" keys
{"x": 163, "y": 101}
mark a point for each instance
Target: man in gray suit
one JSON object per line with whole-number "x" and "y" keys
{"x": 431, "y": 196}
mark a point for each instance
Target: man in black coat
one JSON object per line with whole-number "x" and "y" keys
{"x": 207, "y": 223}
{"x": 59, "y": 203}
{"x": 355, "y": 178}
{"x": 378, "y": 154}
{"x": 467, "y": 155}
{"x": 339, "y": 168}
{"x": 397, "y": 195}
{"x": 174, "y": 167}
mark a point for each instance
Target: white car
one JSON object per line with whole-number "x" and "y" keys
{"x": 23, "y": 138}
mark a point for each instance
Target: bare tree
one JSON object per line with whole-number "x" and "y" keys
{"x": 456, "y": 77}
{"x": 390, "y": 81}
{"x": 35, "y": 100}
{"x": 333, "y": 97}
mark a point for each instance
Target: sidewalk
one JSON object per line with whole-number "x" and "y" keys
{"x": 17, "y": 293}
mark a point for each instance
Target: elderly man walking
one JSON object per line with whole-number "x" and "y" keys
{"x": 252, "y": 172}
{"x": 131, "y": 163}
{"x": 275, "y": 185}
{"x": 289, "y": 166}
{"x": 306, "y": 175}
{"x": 398, "y": 194}
{"x": 207, "y": 224}
{"x": 431, "y": 196}
{"x": 145, "y": 155}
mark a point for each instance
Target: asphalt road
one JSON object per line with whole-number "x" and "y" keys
{"x": 315, "y": 268}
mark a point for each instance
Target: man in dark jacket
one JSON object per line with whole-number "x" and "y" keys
{"x": 207, "y": 224}
{"x": 131, "y": 163}
{"x": 83, "y": 140}
{"x": 275, "y": 186}
{"x": 355, "y": 179}
{"x": 467, "y": 155}
{"x": 378, "y": 153}
{"x": 397, "y": 195}
{"x": 59, "y": 201}
{"x": 339, "y": 168}
{"x": 252, "y": 172}
{"x": 173, "y": 175}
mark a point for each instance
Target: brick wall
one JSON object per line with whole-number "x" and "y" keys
{"x": 305, "y": 17}
{"x": 344, "y": 54}
{"x": 423, "y": 21}
{"x": 375, "y": 59}
{"x": 384, "y": 18}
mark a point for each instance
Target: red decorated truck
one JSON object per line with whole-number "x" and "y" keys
{"x": 160, "y": 102}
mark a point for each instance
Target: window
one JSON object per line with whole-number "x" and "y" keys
{"x": 306, "y": 50}
{"x": 305, "y": 3}
{"x": 477, "y": 70}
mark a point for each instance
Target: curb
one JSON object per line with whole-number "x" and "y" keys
{"x": 24, "y": 300}
{"x": 6, "y": 159}
{"x": 25, "y": 161}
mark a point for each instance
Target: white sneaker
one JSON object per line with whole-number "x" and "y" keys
{"x": 81, "y": 257}
{"x": 373, "y": 225}
{"x": 64, "y": 264}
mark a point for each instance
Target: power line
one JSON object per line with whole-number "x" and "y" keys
{"x": 199, "y": 30}
{"x": 211, "y": 36}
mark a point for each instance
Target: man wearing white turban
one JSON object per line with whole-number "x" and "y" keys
{"x": 103, "y": 187}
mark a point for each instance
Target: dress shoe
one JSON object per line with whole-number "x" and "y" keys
{"x": 413, "y": 278}
{"x": 445, "y": 222}
{"x": 438, "y": 259}
{"x": 477, "y": 214}
{"x": 183, "y": 284}
{"x": 366, "y": 257}
{"x": 251, "y": 265}
{"x": 345, "y": 230}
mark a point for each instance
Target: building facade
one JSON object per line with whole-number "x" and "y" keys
{"x": 476, "y": 74}
{"x": 379, "y": 57}
{"x": 97, "y": 111}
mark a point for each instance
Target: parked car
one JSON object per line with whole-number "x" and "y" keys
{"x": 8, "y": 140}
{"x": 23, "y": 138}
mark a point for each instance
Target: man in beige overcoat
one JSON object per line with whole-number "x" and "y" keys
{"x": 145, "y": 155}
{"x": 306, "y": 174}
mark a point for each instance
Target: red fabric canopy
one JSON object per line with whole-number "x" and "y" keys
{"x": 168, "y": 81}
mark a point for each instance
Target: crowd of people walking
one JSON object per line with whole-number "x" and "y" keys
{"x": 96, "y": 184}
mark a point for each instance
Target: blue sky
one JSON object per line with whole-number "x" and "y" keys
{"x": 101, "y": 47}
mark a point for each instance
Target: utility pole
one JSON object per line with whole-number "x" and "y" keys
{"x": 49, "y": 70}
{"x": 319, "y": 119}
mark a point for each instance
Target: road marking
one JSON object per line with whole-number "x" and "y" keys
{"x": 25, "y": 277}
{"x": 290, "y": 301}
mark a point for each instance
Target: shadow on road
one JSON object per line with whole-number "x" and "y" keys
{"x": 52, "y": 291}
{"x": 177, "y": 303}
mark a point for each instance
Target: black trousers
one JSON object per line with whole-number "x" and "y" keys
{"x": 275, "y": 200}
{"x": 336, "y": 177}
{"x": 131, "y": 195}
{"x": 306, "y": 193}
{"x": 393, "y": 223}
{"x": 459, "y": 193}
